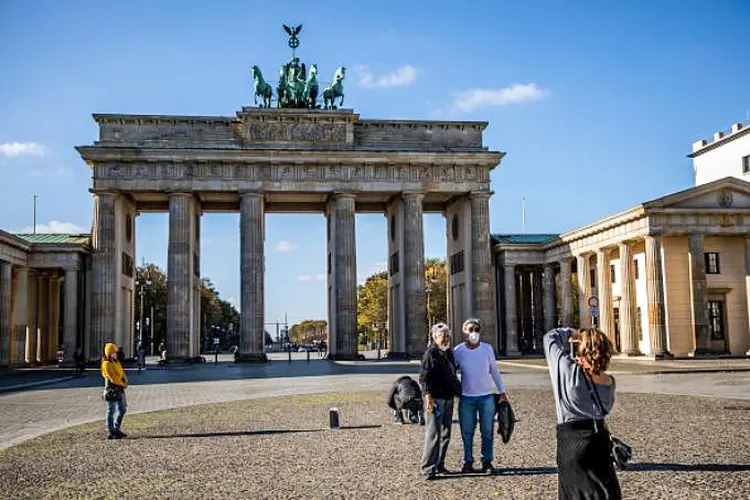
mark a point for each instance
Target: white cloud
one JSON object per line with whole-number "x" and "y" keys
{"x": 402, "y": 77}
{"x": 284, "y": 246}
{"x": 22, "y": 148}
{"x": 469, "y": 100}
{"x": 309, "y": 278}
{"x": 55, "y": 227}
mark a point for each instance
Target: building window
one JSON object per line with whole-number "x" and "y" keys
{"x": 635, "y": 268}
{"x": 593, "y": 278}
{"x": 457, "y": 262}
{"x": 746, "y": 164}
{"x": 127, "y": 265}
{"x": 716, "y": 319}
{"x": 712, "y": 263}
{"x": 612, "y": 274}
{"x": 638, "y": 326}
{"x": 394, "y": 263}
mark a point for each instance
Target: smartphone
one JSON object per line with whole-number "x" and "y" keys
{"x": 573, "y": 348}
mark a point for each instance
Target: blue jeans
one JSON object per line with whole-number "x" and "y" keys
{"x": 120, "y": 407}
{"x": 468, "y": 408}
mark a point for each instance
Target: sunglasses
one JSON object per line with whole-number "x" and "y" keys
{"x": 474, "y": 329}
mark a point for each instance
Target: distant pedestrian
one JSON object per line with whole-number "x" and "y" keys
{"x": 440, "y": 385}
{"x": 80, "y": 362}
{"x": 479, "y": 380}
{"x": 141, "y": 354}
{"x": 577, "y": 362}
{"x": 163, "y": 351}
{"x": 115, "y": 383}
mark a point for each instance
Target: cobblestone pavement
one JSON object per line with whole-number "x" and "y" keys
{"x": 27, "y": 414}
{"x": 281, "y": 448}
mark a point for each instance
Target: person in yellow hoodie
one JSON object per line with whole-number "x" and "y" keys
{"x": 115, "y": 382}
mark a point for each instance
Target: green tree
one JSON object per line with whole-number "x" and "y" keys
{"x": 372, "y": 308}
{"x": 309, "y": 331}
{"x": 436, "y": 286}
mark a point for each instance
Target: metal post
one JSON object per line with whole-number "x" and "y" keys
{"x": 140, "y": 323}
{"x": 34, "y": 216}
{"x": 151, "y": 332}
{"x": 289, "y": 350}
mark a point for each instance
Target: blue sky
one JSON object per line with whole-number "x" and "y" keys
{"x": 596, "y": 104}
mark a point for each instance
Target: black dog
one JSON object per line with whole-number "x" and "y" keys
{"x": 406, "y": 395}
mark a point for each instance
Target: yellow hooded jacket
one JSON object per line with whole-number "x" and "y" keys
{"x": 112, "y": 370}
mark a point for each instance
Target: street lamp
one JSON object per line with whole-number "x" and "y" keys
{"x": 142, "y": 284}
{"x": 431, "y": 280}
{"x": 377, "y": 337}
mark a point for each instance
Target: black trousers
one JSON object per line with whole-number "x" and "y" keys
{"x": 437, "y": 436}
{"x": 583, "y": 459}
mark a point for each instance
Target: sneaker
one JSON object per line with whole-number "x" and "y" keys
{"x": 111, "y": 435}
{"x": 398, "y": 418}
{"x": 119, "y": 434}
{"x": 430, "y": 477}
{"x": 440, "y": 469}
{"x": 468, "y": 468}
{"x": 488, "y": 468}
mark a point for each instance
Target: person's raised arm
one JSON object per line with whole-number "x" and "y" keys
{"x": 555, "y": 349}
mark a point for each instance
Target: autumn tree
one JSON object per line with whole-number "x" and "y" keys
{"x": 372, "y": 308}
{"x": 309, "y": 331}
{"x": 436, "y": 288}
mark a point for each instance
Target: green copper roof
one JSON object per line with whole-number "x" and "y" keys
{"x": 522, "y": 239}
{"x": 56, "y": 239}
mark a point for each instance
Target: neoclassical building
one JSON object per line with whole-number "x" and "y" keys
{"x": 670, "y": 276}
{"x": 43, "y": 296}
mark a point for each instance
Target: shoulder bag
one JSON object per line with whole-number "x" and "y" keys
{"x": 619, "y": 452}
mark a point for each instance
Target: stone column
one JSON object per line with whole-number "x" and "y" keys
{"x": 482, "y": 300}
{"x": 252, "y": 271}
{"x": 655, "y": 296}
{"x": 20, "y": 313}
{"x": 604, "y": 289}
{"x": 103, "y": 273}
{"x": 345, "y": 269}
{"x": 538, "y": 307}
{"x": 6, "y": 276}
{"x": 53, "y": 338}
{"x": 511, "y": 313}
{"x": 584, "y": 290}
{"x": 414, "y": 285}
{"x": 747, "y": 279}
{"x": 550, "y": 305}
{"x": 32, "y": 315}
{"x": 42, "y": 338}
{"x": 180, "y": 262}
{"x": 628, "y": 318}
{"x": 70, "y": 332}
{"x": 566, "y": 291}
{"x": 698, "y": 293}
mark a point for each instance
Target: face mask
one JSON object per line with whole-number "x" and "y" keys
{"x": 474, "y": 337}
{"x": 444, "y": 347}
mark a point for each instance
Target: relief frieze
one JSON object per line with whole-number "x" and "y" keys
{"x": 295, "y": 132}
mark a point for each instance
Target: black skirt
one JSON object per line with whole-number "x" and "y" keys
{"x": 584, "y": 463}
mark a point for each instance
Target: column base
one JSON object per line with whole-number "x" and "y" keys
{"x": 132, "y": 362}
{"x": 346, "y": 356}
{"x": 397, "y": 356}
{"x": 632, "y": 354}
{"x": 250, "y": 357}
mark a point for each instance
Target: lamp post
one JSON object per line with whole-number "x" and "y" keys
{"x": 377, "y": 337}
{"x": 142, "y": 284}
{"x": 431, "y": 280}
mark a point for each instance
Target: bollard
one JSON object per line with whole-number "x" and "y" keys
{"x": 308, "y": 354}
{"x": 333, "y": 419}
{"x": 289, "y": 350}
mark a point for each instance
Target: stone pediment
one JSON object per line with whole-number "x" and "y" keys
{"x": 727, "y": 193}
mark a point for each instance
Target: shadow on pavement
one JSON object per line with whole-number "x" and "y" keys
{"x": 258, "y": 432}
{"x": 640, "y": 467}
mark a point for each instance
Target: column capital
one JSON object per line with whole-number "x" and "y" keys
{"x": 480, "y": 194}
{"x": 251, "y": 194}
{"x": 104, "y": 192}
{"x": 343, "y": 194}
{"x": 176, "y": 194}
{"x": 413, "y": 195}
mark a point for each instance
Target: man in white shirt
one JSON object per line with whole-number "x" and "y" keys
{"x": 479, "y": 379}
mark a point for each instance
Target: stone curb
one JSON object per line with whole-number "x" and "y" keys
{"x": 644, "y": 372}
{"x": 31, "y": 385}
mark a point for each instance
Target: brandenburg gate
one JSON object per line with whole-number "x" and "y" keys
{"x": 297, "y": 157}
{"x": 266, "y": 160}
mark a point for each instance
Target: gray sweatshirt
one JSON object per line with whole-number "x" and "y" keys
{"x": 572, "y": 398}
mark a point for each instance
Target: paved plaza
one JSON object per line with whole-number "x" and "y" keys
{"x": 254, "y": 431}
{"x": 279, "y": 447}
